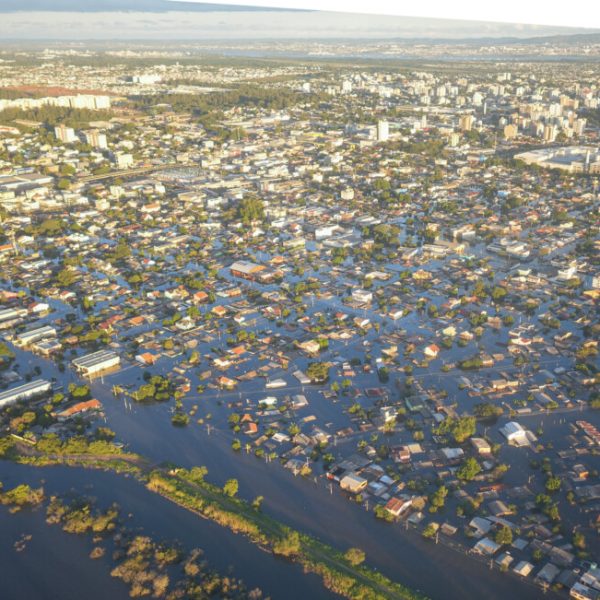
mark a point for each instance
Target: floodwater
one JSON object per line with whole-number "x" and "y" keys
{"x": 55, "y": 564}
{"x": 436, "y": 570}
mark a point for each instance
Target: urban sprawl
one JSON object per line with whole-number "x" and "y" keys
{"x": 384, "y": 278}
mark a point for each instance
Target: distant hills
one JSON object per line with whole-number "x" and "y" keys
{"x": 565, "y": 38}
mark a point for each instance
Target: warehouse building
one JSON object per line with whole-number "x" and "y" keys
{"x": 35, "y": 335}
{"x": 246, "y": 269}
{"x": 10, "y": 314}
{"x": 96, "y": 362}
{"x": 24, "y": 392}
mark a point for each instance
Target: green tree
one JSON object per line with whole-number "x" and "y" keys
{"x": 438, "y": 498}
{"x": 66, "y": 277}
{"x": 504, "y": 536}
{"x": 251, "y": 209}
{"x": 553, "y": 484}
{"x": 289, "y": 545}
{"x": 498, "y": 294}
{"x": 485, "y": 410}
{"x": 579, "y": 540}
{"x": 231, "y": 487}
{"x": 355, "y": 556}
{"x": 459, "y": 428}
{"x": 468, "y": 470}
{"x": 430, "y": 531}
{"x": 180, "y": 419}
{"x": 318, "y": 372}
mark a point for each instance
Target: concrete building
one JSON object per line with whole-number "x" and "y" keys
{"x": 353, "y": 483}
{"x": 514, "y": 433}
{"x": 9, "y": 314}
{"x": 65, "y": 134}
{"x": 362, "y": 296}
{"x": 96, "y": 139}
{"x": 24, "y": 392}
{"x": 246, "y": 269}
{"x": 124, "y": 161}
{"x": 510, "y": 131}
{"x": 573, "y": 159}
{"x": 550, "y": 133}
{"x": 96, "y": 362}
{"x": 383, "y": 131}
{"x": 465, "y": 123}
{"x": 35, "y": 335}
{"x": 146, "y": 79}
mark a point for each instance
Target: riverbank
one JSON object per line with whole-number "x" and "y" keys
{"x": 189, "y": 490}
{"x": 338, "y": 575}
{"x": 143, "y": 513}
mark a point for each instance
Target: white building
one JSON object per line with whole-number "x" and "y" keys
{"x": 515, "y": 433}
{"x": 362, "y": 296}
{"x": 383, "y": 131}
{"x": 35, "y": 335}
{"x": 96, "y": 362}
{"x": 146, "y": 79}
{"x": 324, "y": 232}
{"x": 24, "y": 392}
{"x": 124, "y": 161}
{"x": 353, "y": 483}
{"x": 65, "y": 134}
{"x": 347, "y": 193}
{"x": 96, "y": 139}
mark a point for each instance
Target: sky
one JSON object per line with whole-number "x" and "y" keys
{"x": 540, "y": 12}
{"x": 168, "y": 20}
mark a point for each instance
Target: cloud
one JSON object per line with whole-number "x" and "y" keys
{"x": 176, "y": 25}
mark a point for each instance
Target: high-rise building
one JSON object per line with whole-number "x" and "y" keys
{"x": 579, "y": 126}
{"x": 146, "y": 78}
{"x": 454, "y": 139}
{"x": 383, "y": 131}
{"x": 124, "y": 161}
{"x": 65, "y": 134}
{"x": 96, "y": 139}
{"x": 101, "y": 102}
{"x": 465, "y": 123}
{"x": 549, "y": 133}
{"x": 83, "y": 101}
{"x": 510, "y": 131}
